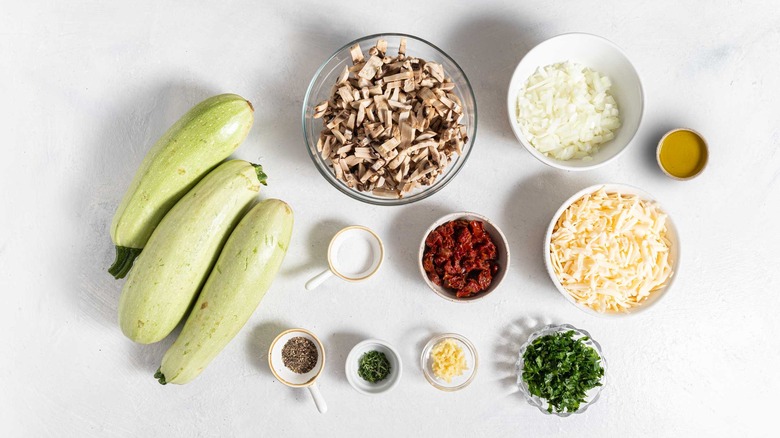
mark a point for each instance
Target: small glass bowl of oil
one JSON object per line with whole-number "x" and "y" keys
{"x": 682, "y": 154}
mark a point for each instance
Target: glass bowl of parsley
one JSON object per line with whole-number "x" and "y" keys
{"x": 561, "y": 370}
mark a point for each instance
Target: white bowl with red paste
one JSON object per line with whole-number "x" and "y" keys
{"x": 470, "y": 272}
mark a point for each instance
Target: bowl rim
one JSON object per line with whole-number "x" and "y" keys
{"x": 367, "y": 198}
{"x": 455, "y": 216}
{"x": 511, "y": 100}
{"x": 427, "y": 373}
{"x": 554, "y": 278}
{"x": 351, "y": 371}
{"x": 559, "y": 328}
{"x": 706, "y": 153}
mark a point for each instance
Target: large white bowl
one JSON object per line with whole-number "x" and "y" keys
{"x": 673, "y": 236}
{"x": 602, "y": 56}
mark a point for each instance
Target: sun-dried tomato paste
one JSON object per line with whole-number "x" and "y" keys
{"x": 460, "y": 255}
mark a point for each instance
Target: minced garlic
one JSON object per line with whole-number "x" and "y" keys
{"x": 448, "y": 360}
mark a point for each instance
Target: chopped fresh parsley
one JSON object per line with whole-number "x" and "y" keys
{"x": 561, "y": 370}
{"x": 373, "y": 366}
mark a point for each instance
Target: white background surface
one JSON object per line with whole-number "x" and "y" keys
{"x": 88, "y": 86}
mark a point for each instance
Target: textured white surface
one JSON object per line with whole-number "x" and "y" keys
{"x": 88, "y": 86}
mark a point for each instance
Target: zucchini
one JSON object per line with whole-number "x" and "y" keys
{"x": 241, "y": 277}
{"x": 194, "y": 145}
{"x": 183, "y": 248}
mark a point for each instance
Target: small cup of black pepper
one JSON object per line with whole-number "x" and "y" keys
{"x": 296, "y": 358}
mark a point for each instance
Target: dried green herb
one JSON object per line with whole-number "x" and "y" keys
{"x": 561, "y": 370}
{"x": 373, "y": 366}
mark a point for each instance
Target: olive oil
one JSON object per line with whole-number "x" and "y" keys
{"x": 682, "y": 153}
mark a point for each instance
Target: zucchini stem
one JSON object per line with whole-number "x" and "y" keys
{"x": 124, "y": 261}
{"x": 160, "y": 377}
{"x": 261, "y": 176}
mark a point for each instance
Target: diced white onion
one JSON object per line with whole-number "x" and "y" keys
{"x": 566, "y": 111}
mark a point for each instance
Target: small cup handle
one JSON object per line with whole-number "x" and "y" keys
{"x": 314, "y": 390}
{"x": 318, "y": 279}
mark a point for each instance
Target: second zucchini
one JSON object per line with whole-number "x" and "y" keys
{"x": 244, "y": 272}
{"x": 182, "y": 249}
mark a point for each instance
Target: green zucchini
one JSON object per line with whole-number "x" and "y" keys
{"x": 241, "y": 277}
{"x": 194, "y": 145}
{"x": 182, "y": 249}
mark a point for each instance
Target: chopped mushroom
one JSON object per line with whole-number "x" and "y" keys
{"x": 392, "y": 124}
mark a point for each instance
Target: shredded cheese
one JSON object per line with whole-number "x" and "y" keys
{"x": 448, "y": 360}
{"x": 611, "y": 251}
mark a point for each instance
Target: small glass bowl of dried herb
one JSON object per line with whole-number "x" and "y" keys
{"x": 561, "y": 370}
{"x": 373, "y": 367}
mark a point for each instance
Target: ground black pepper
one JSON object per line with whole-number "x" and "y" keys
{"x": 299, "y": 355}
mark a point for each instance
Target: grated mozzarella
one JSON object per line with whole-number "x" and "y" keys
{"x": 611, "y": 251}
{"x": 566, "y": 111}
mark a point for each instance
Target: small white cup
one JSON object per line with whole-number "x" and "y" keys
{"x": 354, "y": 254}
{"x": 292, "y": 379}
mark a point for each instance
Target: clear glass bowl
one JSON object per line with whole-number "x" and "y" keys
{"x": 590, "y": 397}
{"x": 459, "y": 382}
{"x": 320, "y": 90}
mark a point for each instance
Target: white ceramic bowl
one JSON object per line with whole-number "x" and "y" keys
{"x": 502, "y": 250}
{"x": 703, "y": 160}
{"x": 673, "y": 235}
{"x": 602, "y": 56}
{"x": 353, "y": 362}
